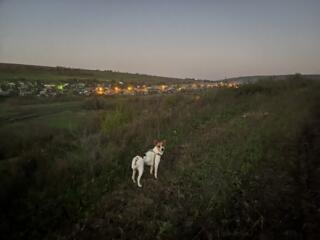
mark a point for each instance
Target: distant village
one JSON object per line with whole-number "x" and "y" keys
{"x": 37, "y": 88}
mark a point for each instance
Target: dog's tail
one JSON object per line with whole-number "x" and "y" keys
{"x": 134, "y": 162}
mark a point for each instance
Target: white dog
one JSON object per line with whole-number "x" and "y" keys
{"x": 152, "y": 158}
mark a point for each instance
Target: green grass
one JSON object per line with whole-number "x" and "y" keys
{"x": 239, "y": 163}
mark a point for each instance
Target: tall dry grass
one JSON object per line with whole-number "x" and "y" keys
{"x": 233, "y": 159}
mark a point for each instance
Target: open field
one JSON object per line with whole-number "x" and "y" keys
{"x": 42, "y": 81}
{"x": 239, "y": 163}
{"x": 20, "y": 72}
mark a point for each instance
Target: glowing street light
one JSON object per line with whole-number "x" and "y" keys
{"x": 100, "y": 90}
{"x": 163, "y": 87}
{"x": 116, "y": 89}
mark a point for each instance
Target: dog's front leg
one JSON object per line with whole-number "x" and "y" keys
{"x": 151, "y": 169}
{"x": 156, "y": 172}
{"x": 156, "y": 164}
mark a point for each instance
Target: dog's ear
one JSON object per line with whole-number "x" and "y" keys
{"x": 155, "y": 142}
{"x": 164, "y": 141}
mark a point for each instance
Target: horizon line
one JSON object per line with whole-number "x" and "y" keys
{"x": 147, "y": 74}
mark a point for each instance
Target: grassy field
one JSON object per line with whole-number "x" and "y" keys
{"x": 19, "y": 72}
{"x": 239, "y": 163}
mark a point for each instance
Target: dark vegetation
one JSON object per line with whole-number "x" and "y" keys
{"x": 251, "y": 79}
{"x": 239, "y": 163}
{"x": 20, "y": 72}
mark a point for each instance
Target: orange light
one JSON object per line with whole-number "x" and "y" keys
{"x": 99, "y": 90}
{"x": 130, "y": 88}
{"x": 163, "y": 87}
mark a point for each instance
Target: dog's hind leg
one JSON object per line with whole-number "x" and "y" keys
{"x": 134, "y": 175}
{"x": 140, "y": 169}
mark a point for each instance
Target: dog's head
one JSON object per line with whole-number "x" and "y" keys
{"x": 159, "y": 146}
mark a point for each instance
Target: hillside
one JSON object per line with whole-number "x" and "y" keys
{"x": 252, "y": 79}
{"x": 14, "y": 72}
{"x": 240, "y": 163}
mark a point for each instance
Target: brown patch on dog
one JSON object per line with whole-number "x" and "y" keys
{"x": 159, "y": 143}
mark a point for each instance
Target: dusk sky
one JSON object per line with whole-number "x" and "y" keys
{"x": 200, "y": 39}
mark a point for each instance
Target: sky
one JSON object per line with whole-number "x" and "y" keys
{"x": 199, "y": 39}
